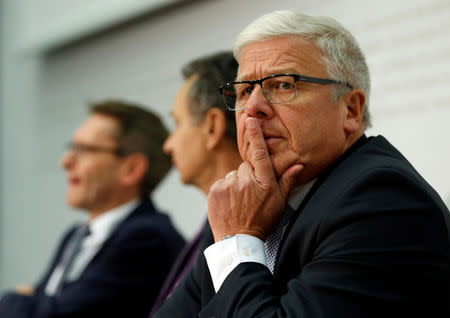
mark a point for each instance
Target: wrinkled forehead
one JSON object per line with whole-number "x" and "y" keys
{"x": 288, "y": 54}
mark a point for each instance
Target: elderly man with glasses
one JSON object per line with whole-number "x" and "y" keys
{"x": 319, "y": 220}
{"x": 114, "y": 264}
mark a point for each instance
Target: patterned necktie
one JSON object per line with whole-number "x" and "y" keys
{"x": 272, "y": 243}
{"x": 58, "y": 276}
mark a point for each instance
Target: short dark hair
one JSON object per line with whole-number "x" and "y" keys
{"x": 143, "y": 132}
{"x": 211, "y": 72}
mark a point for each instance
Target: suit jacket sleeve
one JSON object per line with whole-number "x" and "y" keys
{"x": 379, "y": 249}
{"x": 14, "y": 305}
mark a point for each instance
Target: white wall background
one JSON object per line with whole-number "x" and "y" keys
{"x": 44, "y": 93}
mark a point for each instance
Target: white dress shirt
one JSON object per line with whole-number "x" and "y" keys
{"x": 100, "y": 230}
{"x": 223, "y": 256}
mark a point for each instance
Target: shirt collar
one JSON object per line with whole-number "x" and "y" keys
{"x": 102, "y": 226}
{"x": 299, "y": 193}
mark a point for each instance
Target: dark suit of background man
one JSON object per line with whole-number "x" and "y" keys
{"x": 319, "y": 220}
{"x": 113, "y": 163}
{"x": 203, "y": 145}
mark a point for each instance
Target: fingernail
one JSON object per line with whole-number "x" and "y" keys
{"x": 251, "y": 123}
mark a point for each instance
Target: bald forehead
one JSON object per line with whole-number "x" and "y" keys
{"x": 281, "y": 55}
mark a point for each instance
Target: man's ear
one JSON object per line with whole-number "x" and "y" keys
{"x": 214, "y": 127}
{"x": 355, "y": 102}
{"x": 133, "y": 169}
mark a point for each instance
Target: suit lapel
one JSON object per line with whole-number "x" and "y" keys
{"x": 141, "y": 208}
{"x": 282, "y": 250}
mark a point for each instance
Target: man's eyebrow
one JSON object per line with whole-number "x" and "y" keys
{"x": 269, "y": 73}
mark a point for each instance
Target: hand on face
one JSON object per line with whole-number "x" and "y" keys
{"x": 250, "y": 201}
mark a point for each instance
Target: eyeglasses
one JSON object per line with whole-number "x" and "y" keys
{"x": 277, "y": 89}
{"x": 80, "y": 149}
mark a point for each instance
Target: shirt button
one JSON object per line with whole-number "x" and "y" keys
{"x": 245, "y": 251}
{"x": 228, "y": 260}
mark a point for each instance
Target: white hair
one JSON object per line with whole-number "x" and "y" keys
{"x": 343, "y": 58}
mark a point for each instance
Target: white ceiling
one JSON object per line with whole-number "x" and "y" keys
{"x": 45, "y": 24}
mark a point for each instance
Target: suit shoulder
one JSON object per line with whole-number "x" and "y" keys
{"x": 377, "y": 182}
{"x": 149, "y": 225}
{"x": 379, "y": 164}
{"x": 150, "y": 220}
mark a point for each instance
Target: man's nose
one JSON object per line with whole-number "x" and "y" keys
{"x": 167, "y": 146}
{"x": 67, "y": 159}
{"x": 257, "y": 105}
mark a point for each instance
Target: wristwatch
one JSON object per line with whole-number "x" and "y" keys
{"x": 227, "y": 237}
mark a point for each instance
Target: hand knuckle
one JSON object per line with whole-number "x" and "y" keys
{"x": 215, "y": 188}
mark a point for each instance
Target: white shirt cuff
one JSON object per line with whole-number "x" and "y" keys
{"x": 222, "y": 257}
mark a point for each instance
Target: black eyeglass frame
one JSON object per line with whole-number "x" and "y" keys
{"x": 297, "y": 77}
{"x": 73, "y": 147}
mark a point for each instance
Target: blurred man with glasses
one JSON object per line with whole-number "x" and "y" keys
{"x": 319, "y": 220}
{"x": 114, "y": 264}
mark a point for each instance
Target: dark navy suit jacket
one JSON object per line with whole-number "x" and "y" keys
{"x": 371, "y": 239}
{"x": 122, "y": 280}
{"x": 182, "y": 266}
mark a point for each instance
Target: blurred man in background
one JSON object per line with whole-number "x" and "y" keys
{"x": 203, "y": 145}
{"x": 111, "y": 265}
